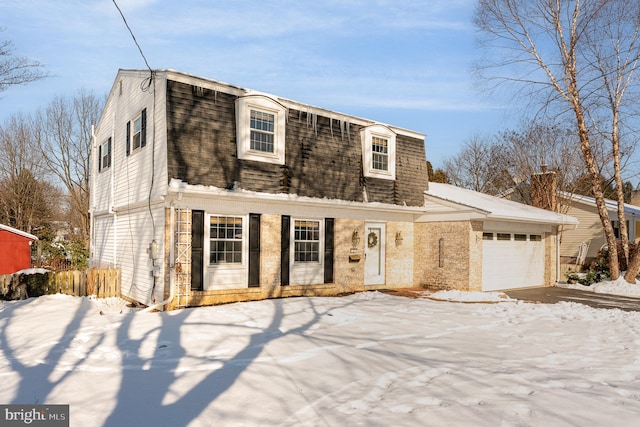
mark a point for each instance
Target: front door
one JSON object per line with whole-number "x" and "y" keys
{"x": 374, "y": 254}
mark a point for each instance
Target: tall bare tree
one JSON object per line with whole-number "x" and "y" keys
{"x": 547, "y": 48}
{"x": 542, "y": 145}
{"x": 65, "y": 144}
{"x": 612, "y": 50}
{"x": 480, "y": 166}
{"x": 27, "y": 200}
{"x": 17, "y": 70}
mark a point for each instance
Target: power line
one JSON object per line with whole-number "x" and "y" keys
{"x": 134, "y": 37}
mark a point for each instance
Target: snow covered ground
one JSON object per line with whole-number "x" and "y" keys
{"x": 367, "y": 359}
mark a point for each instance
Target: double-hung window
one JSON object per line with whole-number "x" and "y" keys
{"x": 137, "y": 132}
{"x": 260, "y": 129}
{"x": 306, "y": 234}
{"x": 104, "y": 155}
{"x": 225, "y": 240}
{"x": 378, "y": 152}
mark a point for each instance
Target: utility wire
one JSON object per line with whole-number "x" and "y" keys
{"x": 134, "y": 37}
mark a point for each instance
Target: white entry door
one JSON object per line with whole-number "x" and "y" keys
{"x": 374, "y": 254}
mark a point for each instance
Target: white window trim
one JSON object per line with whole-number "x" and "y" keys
{"x": 263, "y": 103}
{"x": 223, "y": 275}
{"x": 366, "y": 136}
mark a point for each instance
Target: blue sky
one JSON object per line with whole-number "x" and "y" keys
{"x": 402, "y": 62}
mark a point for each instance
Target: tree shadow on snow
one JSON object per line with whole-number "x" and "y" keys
{"x": 149, "y": 392}
{"x": 36, "y": 377}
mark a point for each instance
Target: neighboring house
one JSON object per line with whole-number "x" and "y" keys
{"x": 15, "y": 249}
{"x": 578, "y": 245}
{"x": 204, "y": 193}
{"x": 590, "y": 231}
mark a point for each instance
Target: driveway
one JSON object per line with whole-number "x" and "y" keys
{"x": 552, "y": 295}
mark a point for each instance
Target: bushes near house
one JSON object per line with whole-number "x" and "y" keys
{"x": 599, "y": 268}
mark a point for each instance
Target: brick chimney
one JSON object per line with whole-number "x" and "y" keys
{"x": 544, "y": 189}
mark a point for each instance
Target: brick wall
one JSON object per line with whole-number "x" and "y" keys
{"x": 348, "y": 275}
{"x": 448, "y": 255}
{"x": 551, "y": 257}
{"x": 399, "y": 255}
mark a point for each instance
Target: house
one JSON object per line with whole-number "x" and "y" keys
{"x": 590, "y": 232}
{"x": 203, "y": 192}
{"x": 578, "y": 245}
{"x": 15, "y": 249}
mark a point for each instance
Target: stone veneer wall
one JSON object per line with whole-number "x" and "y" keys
{"x": 457, "y": 264}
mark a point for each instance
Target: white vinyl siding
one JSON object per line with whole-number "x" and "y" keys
{"x": 134, "y": 235}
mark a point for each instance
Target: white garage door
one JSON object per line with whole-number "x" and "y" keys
{"x": 512, "y": 260}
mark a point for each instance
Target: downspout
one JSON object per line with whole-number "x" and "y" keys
{"x": 160, "y": 305}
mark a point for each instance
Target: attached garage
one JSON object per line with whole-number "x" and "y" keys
{"x": 512, "y": 260}
{"x": 486, "y": 243}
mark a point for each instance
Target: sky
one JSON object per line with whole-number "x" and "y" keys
{"x": 405, "y": 63}
{"x": 370, "y": 358}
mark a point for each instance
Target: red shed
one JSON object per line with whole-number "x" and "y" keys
{"x": 15, "y": 249}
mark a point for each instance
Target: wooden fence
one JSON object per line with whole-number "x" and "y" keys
{"x": 101, "y": 283}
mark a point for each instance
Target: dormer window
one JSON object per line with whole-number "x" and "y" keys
{"x": 260, "y": 128}
{"x": 262, "y": 131}
{"x": 378, "y": 152}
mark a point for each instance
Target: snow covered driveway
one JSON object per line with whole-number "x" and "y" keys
{"x": 366, "y": 359}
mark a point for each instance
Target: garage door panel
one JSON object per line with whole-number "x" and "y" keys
{"x": 509, "y": 264}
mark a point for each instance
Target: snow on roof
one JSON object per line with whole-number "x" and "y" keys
{"x": 612, "y": 205}
{"x": 18, "y": 232}
{"x": 496, "y": 207}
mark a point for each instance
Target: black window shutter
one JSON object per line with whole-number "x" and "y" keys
{"x": 197, "y": 250}
{"x": 328, "y": 249}
{"x": 99, "y": 158}
{"x": 254, "y": 250}
{"x": 109, "y": 153}
{"x": 284, "y": 251}
{"x": 128, "y": 138}
{"x": 143, "y": 128}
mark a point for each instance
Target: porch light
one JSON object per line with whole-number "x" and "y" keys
{"x": 399, "y": 238}
{"x": 355, "y": 239}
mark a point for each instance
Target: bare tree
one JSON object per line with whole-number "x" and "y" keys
{"x": 537, "y": 146}
{"x": 27, "y": 200}
{"x": 548, "y": 51}
{"x": 612, "y": 49}
{"x": 480, "y": 166}
{"x": 65, "y": 144}
{"x": 17, "y": 70}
